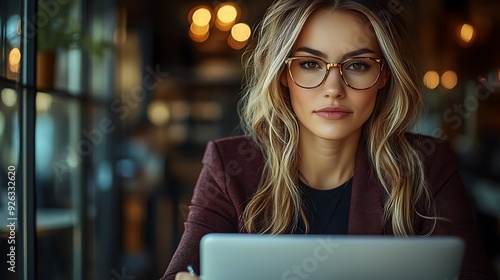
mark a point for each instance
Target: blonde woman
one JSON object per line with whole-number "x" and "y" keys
{"x": 332, "y": 90}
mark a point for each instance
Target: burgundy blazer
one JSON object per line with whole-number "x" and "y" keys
{"x": 232, "y": 171}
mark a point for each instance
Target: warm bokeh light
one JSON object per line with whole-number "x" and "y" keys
{"x": 9, "y": 97}
{"x": 14, "y": 60}
{"x": 431, "y": 79}
{"x": 43, "y": 102}
{"x": 466, "y": 33}
{"x": 449, "y": 79}
{"x": 235, "y": 44}
{"x": 226, "y": 16}
{"x": 15, "y": 56}
{"x": 223, "y": 16}
{"x": 206, "y": 111}
{"x": 198, "y": 38}
{"x": 198, "y": 30}
{"x": 179, "y": 110}
{"x": 202, "y": 16}
{"x": 241, "y": 32}
{"x": 227, "y": 13}
{"x": 158, "y": 113}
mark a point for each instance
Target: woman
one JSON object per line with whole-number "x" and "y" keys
{"x": 332, "y": 89}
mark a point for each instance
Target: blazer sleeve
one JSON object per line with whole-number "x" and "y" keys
{"x": 452, "y": 203}
{"x": 211, "y": 210}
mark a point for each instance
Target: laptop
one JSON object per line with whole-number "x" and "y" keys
{"x": 328, "y": 257}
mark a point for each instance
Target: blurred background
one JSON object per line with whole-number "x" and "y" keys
{"x": 106, "y": 108}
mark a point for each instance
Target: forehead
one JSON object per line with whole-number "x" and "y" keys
{"x": 336, "y": 33}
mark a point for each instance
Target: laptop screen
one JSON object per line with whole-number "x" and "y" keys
{"x": 298, "y": 257}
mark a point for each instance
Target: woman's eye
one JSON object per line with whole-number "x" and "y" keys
{"x": 310, "y": 65}
{"x": 358, "y": 66}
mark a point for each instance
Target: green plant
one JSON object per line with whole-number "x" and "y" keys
{"x": 59, "y": 33}
{"x": 58, "y": 30}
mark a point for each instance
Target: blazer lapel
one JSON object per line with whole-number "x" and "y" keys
{"x": 366, "y": 210}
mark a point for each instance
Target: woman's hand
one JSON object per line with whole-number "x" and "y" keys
{"x": 185, "y": 276}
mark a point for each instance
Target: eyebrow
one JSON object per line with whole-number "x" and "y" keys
{"x": 324, "y": 56}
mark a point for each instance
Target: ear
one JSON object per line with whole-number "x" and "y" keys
{"x": 284, "y": 78}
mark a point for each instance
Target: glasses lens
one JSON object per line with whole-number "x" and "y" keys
{"x": 307, "y": 72}
{"x": 361, "y": 73}
{"x": 358, "y": 73}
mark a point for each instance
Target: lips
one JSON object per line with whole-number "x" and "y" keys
{"x": 333, "y": 112}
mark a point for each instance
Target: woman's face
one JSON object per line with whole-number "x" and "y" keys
{"x": 333, "y": 110}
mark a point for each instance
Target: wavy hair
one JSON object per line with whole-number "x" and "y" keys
{"x": 266, "y": 114}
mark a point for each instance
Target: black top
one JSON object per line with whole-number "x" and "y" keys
{"x": 327, "y": 211}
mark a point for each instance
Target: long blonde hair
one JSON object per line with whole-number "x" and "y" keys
{"x": 267, "y": 116}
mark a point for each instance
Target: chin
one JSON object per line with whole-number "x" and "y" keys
{"x": 335, "y": 134}
{"x": 332, "y": 135}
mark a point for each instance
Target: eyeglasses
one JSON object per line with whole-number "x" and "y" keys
{"x": 356, "y": 72}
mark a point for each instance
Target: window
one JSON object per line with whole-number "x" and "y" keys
{"x": 55, "y": 132}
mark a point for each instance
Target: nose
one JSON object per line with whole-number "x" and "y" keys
{"x": 333, "y": 86}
